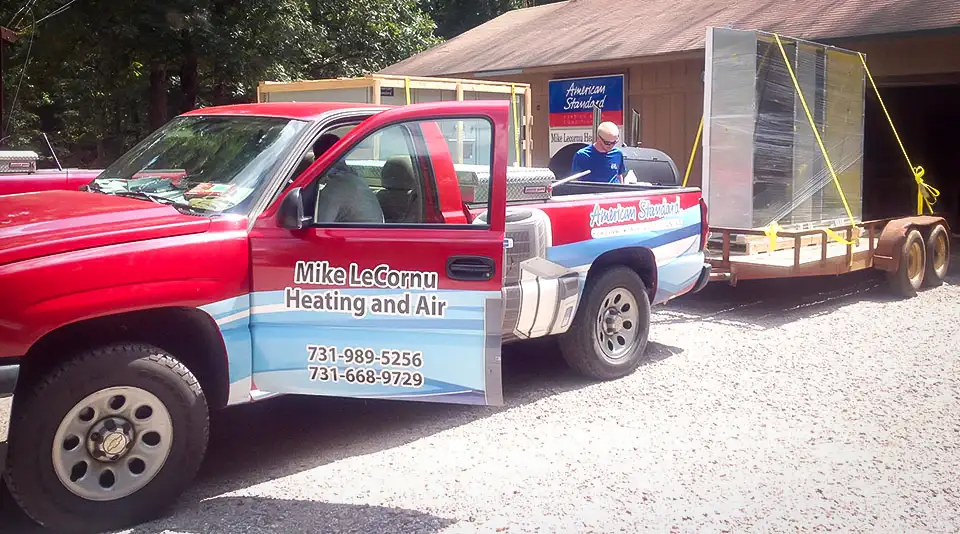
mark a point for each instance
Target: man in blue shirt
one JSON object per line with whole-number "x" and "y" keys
{"x": 602, "y": 158}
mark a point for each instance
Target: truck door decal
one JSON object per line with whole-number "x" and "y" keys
{"x": 385, "y": 341}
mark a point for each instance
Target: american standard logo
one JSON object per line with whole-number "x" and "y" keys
{"x": 644, "y": 210}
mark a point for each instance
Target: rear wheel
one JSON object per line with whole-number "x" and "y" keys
{"x": 913, "y": 260}
{"x": 609, "y": 334}
{"x": 108, "y": 440}
{"x": 938, "y": 256}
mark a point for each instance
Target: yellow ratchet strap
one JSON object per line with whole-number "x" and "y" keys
{"x": 771, "y": 232}
{"x": 693, "y": 153}
{"x": 926, "y": 194}
{"x": 772, "y": 229}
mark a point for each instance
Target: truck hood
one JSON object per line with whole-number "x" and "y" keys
{"x": 40, "y": 224}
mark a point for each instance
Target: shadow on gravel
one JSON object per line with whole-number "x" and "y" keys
{"x": 762, "y": 304}
{"x": 275, "y": 438}
{"x": 259, "y": 515}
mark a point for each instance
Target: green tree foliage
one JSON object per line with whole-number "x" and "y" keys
{"x": 101, "y": 74}
{"x": 454, "y": 17}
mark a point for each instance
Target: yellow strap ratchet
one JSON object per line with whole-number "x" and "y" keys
{"x": 771, "y": 231}
{"x": 926, "y": 194}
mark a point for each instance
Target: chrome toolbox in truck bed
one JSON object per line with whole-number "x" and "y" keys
{"x": 18, "y": 161}
{"x": 523, "y": 183}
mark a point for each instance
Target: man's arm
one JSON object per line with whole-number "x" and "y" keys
{"x": 328, "y": 205}
{"x": 579, "y": 163}
{"x": 622, "y": 171}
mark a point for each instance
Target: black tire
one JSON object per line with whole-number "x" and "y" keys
{"x": 914, "y": 250}
{"x": 579, "y": 345}
{"x": 938, "y": 256}
{"x": 30, "y": 473}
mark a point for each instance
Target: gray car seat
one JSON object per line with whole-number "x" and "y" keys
{"x": 400, "y": 197}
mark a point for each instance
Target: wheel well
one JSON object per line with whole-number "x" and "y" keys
{"x": 640, "y": 259}
{"x": 891, "y": 238}
{"x": 188, "y": 334}
{"x": 927, "y": 228}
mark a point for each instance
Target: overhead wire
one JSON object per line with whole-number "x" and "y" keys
{"x": 21, "y": 10}
{"x": 56, "y": 12}
{"x": 23, "y": 71}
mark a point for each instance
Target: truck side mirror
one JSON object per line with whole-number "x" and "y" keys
{"x": 291, "y": 213}
{"x": 635, "y": 128}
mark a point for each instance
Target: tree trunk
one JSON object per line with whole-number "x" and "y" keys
{"x": 189, "y": 80}
{"x": 158, "y": 96}
{"x": 219, "y": 96}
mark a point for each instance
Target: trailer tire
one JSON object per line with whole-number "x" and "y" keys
{"x": 130, "y": 410}
{"x": 908, "y": 278}
{"x": 610, "y": 331}
{"x": 938, "y": 256}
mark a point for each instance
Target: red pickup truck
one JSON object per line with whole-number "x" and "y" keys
{"x": 18, "y": 174}
{"x": 247, "y": 251}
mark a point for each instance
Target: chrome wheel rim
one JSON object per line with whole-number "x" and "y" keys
{"x": 112, "y": 443}
{"x": 617, "y": 331}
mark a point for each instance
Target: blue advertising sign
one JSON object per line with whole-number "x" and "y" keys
{"x": 572, "y": 99}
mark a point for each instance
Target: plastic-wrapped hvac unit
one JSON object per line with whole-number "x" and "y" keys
{"x": 762, "y": 160}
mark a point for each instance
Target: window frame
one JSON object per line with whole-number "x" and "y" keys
{"x": 423, "y": 155}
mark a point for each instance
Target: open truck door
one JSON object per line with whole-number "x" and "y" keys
{"x": 388, "y": 292}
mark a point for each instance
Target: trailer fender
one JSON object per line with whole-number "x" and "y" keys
{"x": 887, "y": 255}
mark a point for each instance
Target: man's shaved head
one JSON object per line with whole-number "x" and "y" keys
{"x": 607, "y": 136}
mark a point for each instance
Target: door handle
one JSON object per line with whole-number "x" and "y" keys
{"x": 470, "y": 268}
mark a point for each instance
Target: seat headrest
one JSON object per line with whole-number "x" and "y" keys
{"x": 324, "y": 143}
{"x": 306, "y": 161}
{"x": 397, "y": 173}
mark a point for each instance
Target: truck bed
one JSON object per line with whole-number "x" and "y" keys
{"x": 582, "y": 192}
{"x": 587, "y": 193}
{"x": 577, "y": 190}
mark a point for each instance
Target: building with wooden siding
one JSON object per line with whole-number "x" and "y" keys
{"x": 912, "y": 48}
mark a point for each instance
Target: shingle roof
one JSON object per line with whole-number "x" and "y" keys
{"x": 594, "y": 30}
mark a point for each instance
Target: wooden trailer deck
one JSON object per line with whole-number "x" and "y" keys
{"x": 809, "y": 260}
{"x": 920, "y": 244}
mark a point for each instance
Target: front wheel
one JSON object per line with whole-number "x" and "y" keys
{"x": 609, "y": 334}
{"x": 108, "y": 440}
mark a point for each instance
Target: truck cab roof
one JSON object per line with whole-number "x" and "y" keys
{"x": 287, "y": 110}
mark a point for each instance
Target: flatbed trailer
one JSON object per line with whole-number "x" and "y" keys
{"x": 913, "y": 251}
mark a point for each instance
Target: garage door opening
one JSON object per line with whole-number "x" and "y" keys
{"x": 928, "y": 121}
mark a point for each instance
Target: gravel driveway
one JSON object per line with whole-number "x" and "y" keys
{"x": 815, "y": 405}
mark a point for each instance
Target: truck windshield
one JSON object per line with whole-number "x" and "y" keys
{"x": 205, "y": 164}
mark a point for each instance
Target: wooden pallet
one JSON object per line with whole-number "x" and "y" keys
{"x": 750, "y": 245}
